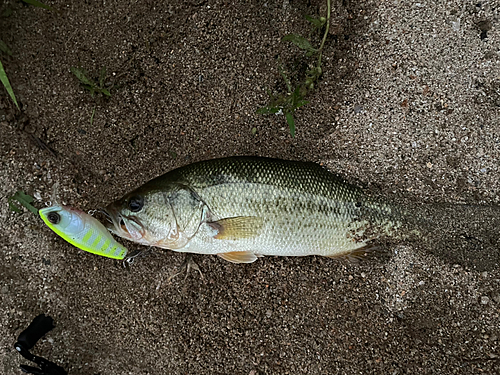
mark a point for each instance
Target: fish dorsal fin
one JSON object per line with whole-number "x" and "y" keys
{"x": 239, "y": 257}
{"x": 235, "y": 228}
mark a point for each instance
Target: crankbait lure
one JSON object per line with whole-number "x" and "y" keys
{"x": 82, "y": 230}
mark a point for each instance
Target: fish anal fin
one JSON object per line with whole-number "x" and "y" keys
{"x": 239, "y": 256}
{"x": 234, "y": 228}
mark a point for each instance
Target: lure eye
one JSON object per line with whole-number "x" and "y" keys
{"x": 135, "y": 203}
{"x": 54, "y": 217}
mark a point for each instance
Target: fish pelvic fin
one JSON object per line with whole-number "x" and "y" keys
{"x": 239, "y": 256}
{"x": 235, "y": 228}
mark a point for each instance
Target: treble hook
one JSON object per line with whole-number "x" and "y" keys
{"x": 128, "y": 261}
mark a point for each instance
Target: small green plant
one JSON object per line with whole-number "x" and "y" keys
{"x": 91, "y": 84}
{"x": 38, "y": 4}
{"x": 24, "y": 200}
{"x": 287, "y": 103}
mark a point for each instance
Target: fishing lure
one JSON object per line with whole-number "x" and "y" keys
{"x": 82, "y": 230}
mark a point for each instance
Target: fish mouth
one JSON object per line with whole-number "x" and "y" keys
{"x": 115, "y": 222}
{"x": 126, "y": 227}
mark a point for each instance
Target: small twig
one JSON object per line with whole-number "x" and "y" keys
{"x": 328, "y": 10}
{"x": 92, "y": 116}
{"x": 42, "y": 144}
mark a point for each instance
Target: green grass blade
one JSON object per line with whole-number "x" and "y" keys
{"x": 285, "y": 78}
{"x": 25, "y": 200}
{"x": 102, "y": 76}
{"x": 4, "y": 48}
{"x": 291, "y": 122}
{"x": 14, "y": 208}
{"x": 6, "y": 83}
{"x": 92, "y": 116}
{"x": 38, "y": 4}
{"x": 297, "y": 99}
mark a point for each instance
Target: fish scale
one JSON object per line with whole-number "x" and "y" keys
{"x": 260, "y": 206}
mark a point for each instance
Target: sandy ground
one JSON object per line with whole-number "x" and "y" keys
{"x": 409, "y": 102}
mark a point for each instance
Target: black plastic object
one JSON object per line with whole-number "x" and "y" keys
{"x": 38, "y": 328}
{"x": 32, "y": 370}
{"x": 28, "y": 338}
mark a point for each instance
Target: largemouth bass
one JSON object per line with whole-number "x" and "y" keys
{"x": 241, "y": 208}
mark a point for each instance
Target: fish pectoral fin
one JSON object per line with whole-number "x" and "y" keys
{"x": 235, "y": 228}
{"x": 239, "y": 256}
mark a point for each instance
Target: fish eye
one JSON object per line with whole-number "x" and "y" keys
{"x": 54, "y": 217}
{"x": 135, "y": 203}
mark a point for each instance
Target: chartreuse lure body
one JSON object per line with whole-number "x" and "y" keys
{"x": 82, "y": 230}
